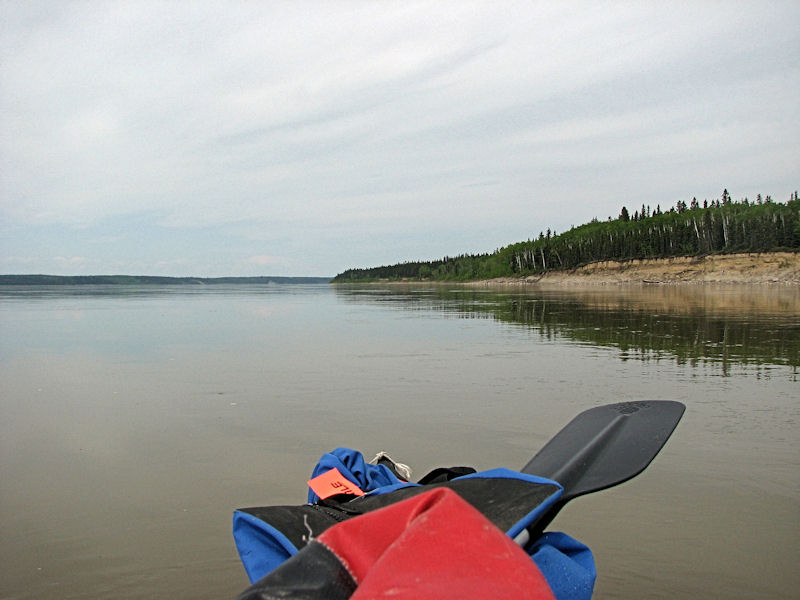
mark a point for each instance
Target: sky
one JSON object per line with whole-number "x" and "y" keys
{"x": 258, "y": 137}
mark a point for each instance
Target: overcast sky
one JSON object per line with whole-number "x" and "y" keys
{"x": 305, "y": 138}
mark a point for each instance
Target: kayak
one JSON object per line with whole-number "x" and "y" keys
{"x": 367, "y": 531}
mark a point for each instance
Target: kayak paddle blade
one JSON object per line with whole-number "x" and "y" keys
{"x": 606, "y": 445}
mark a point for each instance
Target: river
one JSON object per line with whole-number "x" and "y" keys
{"x": 136, "y": 419}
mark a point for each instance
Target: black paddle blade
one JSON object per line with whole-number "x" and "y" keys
{"x": 606, "y": 445}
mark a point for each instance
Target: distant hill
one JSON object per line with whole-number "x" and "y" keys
{"x": 148, "y": 280}
{"x": 722, "y": 226}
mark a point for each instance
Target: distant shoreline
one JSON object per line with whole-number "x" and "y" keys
{"x": 150, "y": 280}
{"x": 745, "y": 268}
{"x": 756, "y": 268}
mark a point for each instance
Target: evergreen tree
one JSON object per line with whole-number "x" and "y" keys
{"x": 722, "y": 227}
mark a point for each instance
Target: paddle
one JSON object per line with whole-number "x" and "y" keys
{"x": 600, "y": 448}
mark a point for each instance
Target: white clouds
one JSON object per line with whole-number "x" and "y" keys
{"x": 70, "y": 260}
{"x": 287, "y": 117}
{"x": 262, "y": 260}
{"x": 95, "y": 128}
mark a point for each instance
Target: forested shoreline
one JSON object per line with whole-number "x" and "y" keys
{"x": 722, "y": 226}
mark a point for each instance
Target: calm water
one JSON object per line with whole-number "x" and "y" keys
{"x": 135, "y": 420}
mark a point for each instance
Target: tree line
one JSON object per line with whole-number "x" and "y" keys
{"x": 721, "y": 226}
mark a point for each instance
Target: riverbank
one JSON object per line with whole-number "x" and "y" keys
{"x": 756, "y": 268}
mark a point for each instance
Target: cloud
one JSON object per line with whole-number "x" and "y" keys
{"x": 71, "y": 260}
{"x": 317, "y": 127}
{"x": 171, "y": 263}
{"x": 264, "y": 260}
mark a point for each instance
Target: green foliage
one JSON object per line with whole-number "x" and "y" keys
{"x": 718, "y": 227}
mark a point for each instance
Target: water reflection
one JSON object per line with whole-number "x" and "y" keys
{"x": 720, "y": 326}
{"x": 29, "y": 293}
{"x": 136, "y": 419}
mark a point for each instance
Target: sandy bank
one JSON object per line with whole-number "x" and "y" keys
{"x": 756, "y": 268}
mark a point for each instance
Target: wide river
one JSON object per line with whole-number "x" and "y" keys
{"x": 134, "y": 420}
